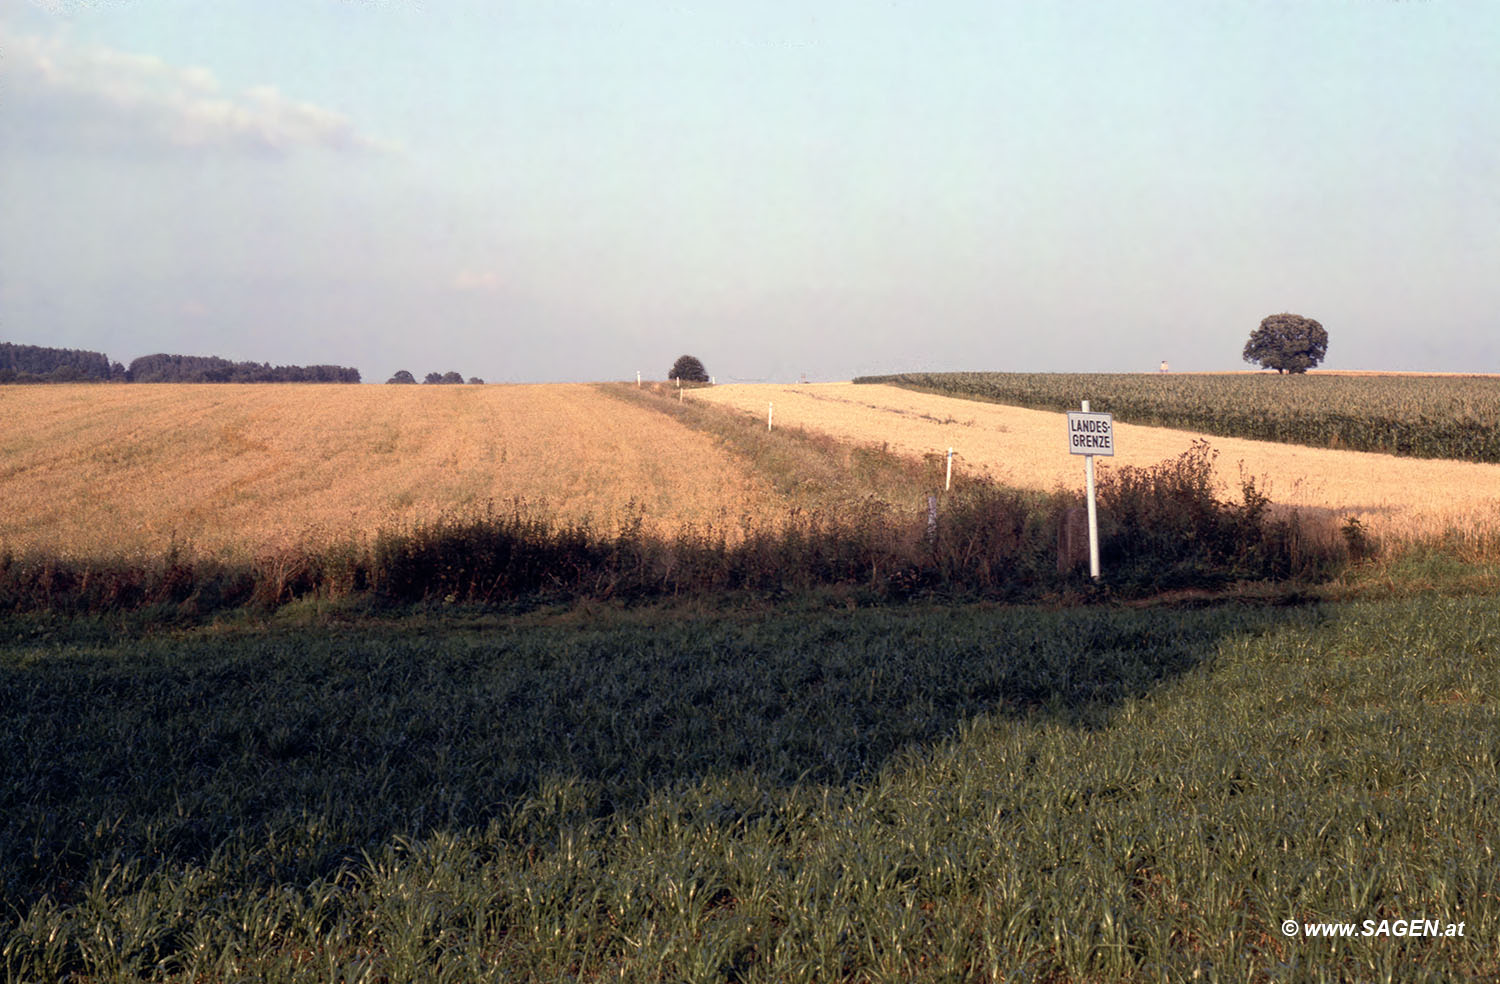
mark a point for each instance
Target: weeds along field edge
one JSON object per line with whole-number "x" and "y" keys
{"x": 967, "y": 793}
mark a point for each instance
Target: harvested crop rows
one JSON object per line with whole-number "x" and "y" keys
{"x": 1403, "y": 498}
{"x": 94, "y": 470}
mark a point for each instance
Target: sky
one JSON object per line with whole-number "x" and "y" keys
{"x": 555, "y": 191}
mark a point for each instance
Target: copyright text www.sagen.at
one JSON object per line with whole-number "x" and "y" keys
{"x": 1372, "y": 928}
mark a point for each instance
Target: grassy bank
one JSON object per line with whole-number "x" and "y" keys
{"x": 931, "y": 793}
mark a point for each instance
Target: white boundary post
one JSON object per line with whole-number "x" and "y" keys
{"x": 770, "y": 412}
{"x": 637, "y": 379}
{"x": 948, "y": 479}
{"x": 1088, "y": 469}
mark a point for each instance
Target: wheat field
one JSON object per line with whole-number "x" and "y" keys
{"x": 230, "y": 470}
{"x": 1403, "y": 499}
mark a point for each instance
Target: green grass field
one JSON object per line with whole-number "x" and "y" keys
{"x": 972, "y": 793}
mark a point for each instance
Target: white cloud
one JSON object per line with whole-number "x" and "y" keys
{"x": 60, "y": 94}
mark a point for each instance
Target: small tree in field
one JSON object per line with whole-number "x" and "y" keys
{"x": 1287, "y": 343}
{"x": 402, "y": 376}
{"x": 688, "y": 369}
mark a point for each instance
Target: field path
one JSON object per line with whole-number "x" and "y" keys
{"x": 91, "y": 470}
{"x": 1400, "y": 497}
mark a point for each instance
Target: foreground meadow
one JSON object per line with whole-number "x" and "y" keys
{"x": 953, "y": 793}
{"x": 89, "y": 470}
{"x": 1399, "y": 499}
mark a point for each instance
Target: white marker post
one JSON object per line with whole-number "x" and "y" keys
{"x": 770, "y": 411}
{"x": 948, "y": 480}
{"x": 637, "y": 379}
{"x": 1090, "y": 434}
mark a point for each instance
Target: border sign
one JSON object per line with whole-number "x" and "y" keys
{"x": 1091, "y": 433}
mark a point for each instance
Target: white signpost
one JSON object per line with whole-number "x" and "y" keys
{"x": 1090, "y": 434}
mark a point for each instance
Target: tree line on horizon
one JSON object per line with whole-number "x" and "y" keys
{"x": 40, "y": 364}
{"x": 403, "y": 376}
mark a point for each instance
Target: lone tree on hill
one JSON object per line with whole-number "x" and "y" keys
{"x": 402, "y": 376}
{"x": 688, "y": 369}
{"x": 1287, "y": 343}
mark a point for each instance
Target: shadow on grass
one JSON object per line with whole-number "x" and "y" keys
{"x": 297, "y": 749}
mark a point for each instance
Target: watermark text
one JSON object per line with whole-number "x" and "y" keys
{"x": 1373, "y": 928}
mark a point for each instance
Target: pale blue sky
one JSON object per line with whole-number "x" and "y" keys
{"x": 568, "y": 190}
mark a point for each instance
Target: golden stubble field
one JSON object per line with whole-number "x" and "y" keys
{"x": 230, "y": 470}
{"x": 1398, "y": 498}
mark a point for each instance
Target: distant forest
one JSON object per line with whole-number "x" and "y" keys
{"x": 37, "y": 364}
